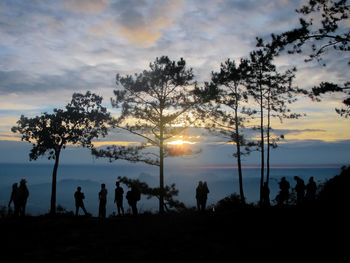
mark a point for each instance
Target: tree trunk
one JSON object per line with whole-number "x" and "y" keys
{"x": 53, "y": 186}
{"x": 268, "y": 144}
{"x": 238, "y": 146}
{"x": 161, "y": 172}
{"x": 262, "y": 145}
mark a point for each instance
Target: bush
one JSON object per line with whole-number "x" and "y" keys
{"x": 229, "y": 203}
{"x": 335, "y": 191}
{"x": 60, "y": 210}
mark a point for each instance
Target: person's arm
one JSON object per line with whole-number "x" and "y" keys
{"x": 10, "y": 201}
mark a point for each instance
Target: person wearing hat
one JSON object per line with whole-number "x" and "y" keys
{"x": 23, "y": 194}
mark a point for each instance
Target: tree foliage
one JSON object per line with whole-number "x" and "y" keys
{"x": 81, "y": 121}
{"x": 155, "y": 106}
{"x": 323, "y": 27}
{"x": 168, "y": 192}
{"x": 272, "y": 91}
{"x": 223, "y": 106}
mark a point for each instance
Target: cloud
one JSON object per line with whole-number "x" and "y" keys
{"x": 50, "y": 49}
{"x": 78, "y": 79}
{"x": 86, "y": 6}
{"x": 142, "y": 23}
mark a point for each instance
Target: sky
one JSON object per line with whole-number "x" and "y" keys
{"x": 51, "y": 49}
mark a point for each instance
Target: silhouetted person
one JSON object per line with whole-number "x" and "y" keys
{"x": 204, "y": 198}
{"x": 118, "y": 198}
{"x": 265, "y": 195}
{"x": 79, "y": 197}
{"x": 14, "y": 199}
{"x": 133, "y": 196}
{"x": 102, "y": 196}
{"x": 202, "y": 195}
{"x": 198, "y": 194}
{"x": 311, "y": 190}
{"x": 283, "y": 195}
{"x": 300, "y": 190}
{"x": 22, "y": 196}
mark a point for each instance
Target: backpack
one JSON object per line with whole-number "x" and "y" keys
{"x": 137, "y": 195}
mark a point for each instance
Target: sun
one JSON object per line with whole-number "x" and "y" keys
{"x": 180, "y": 142}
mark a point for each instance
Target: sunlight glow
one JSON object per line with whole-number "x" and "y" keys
{"x": 180, "y": 142}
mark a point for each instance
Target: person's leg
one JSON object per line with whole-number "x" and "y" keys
{"x": 104, "y": 209}
{"x": 118, "y": 209}
{"x": 100, "y": 212}
{"x": 16, "y": 210}
{"x": 76, "y": 210}
{"x": 134, "y": 209}
{"x": 21, "y": 210}
{"x": 83, "y": 207}
{"x": 122, "y": 208}
{"x": 24, "y": 209}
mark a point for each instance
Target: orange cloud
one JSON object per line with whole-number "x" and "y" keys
{"x": 119, "y": 143}
{"x": 140, "y": 36}
{"x": 152, "y": 23}
{"x": 86, "y": 6}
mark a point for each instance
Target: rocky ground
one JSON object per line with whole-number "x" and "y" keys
{"x": 186, "y": 237}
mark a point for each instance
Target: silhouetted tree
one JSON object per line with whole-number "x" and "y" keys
{"x": 335, "y": 191}
{"x": 168, "y": 192}
{"x": 272, "y": 91}
{"x": 82, "y": 120}
{"x": 331, "y": 32}
{"x": 223, "y": 100}
{"x": 279, "y": 93}
{"x": 261, "y": 72}
{"x": 155, "y": 106}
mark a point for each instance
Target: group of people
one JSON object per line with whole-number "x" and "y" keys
{"x": 304, "y": 193}
{"x": 202, "y": 195}
{"x": 132, "y": 196}
{"x": 19, "y": 196}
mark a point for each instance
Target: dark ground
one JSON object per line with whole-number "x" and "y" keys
{"x": 255, "y": 233}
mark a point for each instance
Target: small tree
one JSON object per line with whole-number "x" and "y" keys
{"x": 155, "y": 106}
{"x": 168, "y": 192}
{"x": 82, "y": 120}
{"x": 223, "y": 100}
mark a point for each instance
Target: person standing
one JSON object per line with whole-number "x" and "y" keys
{"x": 22, "y": 196}
{"x": 14, "y": 199}
{"x": 133, "y": 196}
{"x": 102, "y": 196}
{"x": 283, "y": 195}
{"x": 79, "y": 201}
{"x": 199, "y": 195}
{"x": 118, "y": 198}
{"x": 311, "y": 190}
{"x": 204, "y": 196}
{"x": 300, "y": 190}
